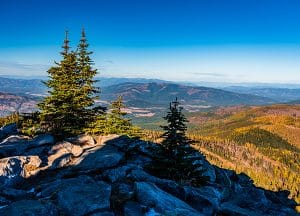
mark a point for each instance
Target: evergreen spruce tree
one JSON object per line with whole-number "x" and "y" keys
{"x": 176, "y": 159}
{"x": 69, "y": 109}
{"x": 175, "y": 143}
{"x": 115, "y": 122}
{"x": 118, "y": 124}
{"x": 87, "y": 92}
{"x": 59, "y": 110}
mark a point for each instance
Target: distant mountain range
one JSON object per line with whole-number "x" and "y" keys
{"x": 277, "y": 94}
{"x": 25, "y": 86}
{"x": 295, "y": 102}
{"x": 151, "y": 93}
{"x": 22, "y": 86}
{"x": 160, "y": 94}
{"x": 10, "y": 103}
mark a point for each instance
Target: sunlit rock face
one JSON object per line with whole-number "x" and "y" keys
{"x": 105, "y": 175}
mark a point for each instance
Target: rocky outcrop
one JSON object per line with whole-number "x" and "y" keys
{"x": 16, "y": 145}
{"x": 30, "y": 207}
{"x": 106, "y": 176}
{"x": 98, "y": 158}
{"x": 8, "y": 130}
{"x": 150, "y": 195}
{"x": 82, "y": 196}
{"x": 15, "y": 169}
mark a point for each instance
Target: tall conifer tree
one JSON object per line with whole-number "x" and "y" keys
{"x": 175, "y": 141}
{"x": 88, "y": 91}
{"x": 176, "y": 159}
{"x": 114, "y": 122}
{"x": 118, "y": 124}
{"x": 58, "y": 111}
{"x": 69, "y": 108}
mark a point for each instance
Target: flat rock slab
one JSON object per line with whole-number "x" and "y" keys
{"x": 82, "y": 196}
{"x": 7, "y": 130}
{"x": 133, "y": 209}
{"x": 18, "y": 145}
{"x": 98, "y": 158}
{"x": 29, "y": 208}
{"x": 231, "y": 209}
{"x": 150, "y": 195}
{"x": 13, "y": 146}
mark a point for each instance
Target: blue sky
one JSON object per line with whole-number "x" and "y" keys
{"x": 183, "y": 40}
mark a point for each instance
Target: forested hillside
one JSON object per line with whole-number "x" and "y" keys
{"x": 263, "y": 142}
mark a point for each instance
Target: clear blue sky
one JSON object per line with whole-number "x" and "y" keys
{"x": 187, "y": 40}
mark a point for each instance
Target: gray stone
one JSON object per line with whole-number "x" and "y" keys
{"x": 50, "y": 189}
{"x": 119, "y": 173}
{"x": 14, "y": 138}
{"x": 165, "y": 184}
{"x": 141, "y": 175}
{"x": 147, "y": 148}
{"x": 281, "y": 198}
{"x": 258, "y": 199}
{"x": 62, "y": 161}
{"x": 228, "y": 208}
{"x": 65, "y": 147}
{"x": 209, "y": 172}
{"x": 40, "y": 151}
{"x": 244, "y": 180}
{"x": 138, "y": 160}
{"x": 98, "y": 158}
{"x": 122, "y": 193}
{"x": 132, "y": 208}
{"x": 15, "y": 169}
{"x": 13, "y": 194}
{"x": 205, "y": 199}
{"x": 62, "y": 153}
{"x": 105, "y": 213}
{"x": 281, "y": 210}
{"x": 225, "y": 194}
{"x": 121, "y": 142}
{"x": 20, "y": 145}
{"x": 43, "y": 139}
{"x": 125, "y": 191}
{"x": 82, "y": 195}
{"x": 151, "y": 196}
{"x": 9, "y": 129}
{"x": 29, "y": 208}
{"x": 4, "y": 202}
{"x": 13, "y": 146}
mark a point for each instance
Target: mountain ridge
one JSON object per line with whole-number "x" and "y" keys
{"x": 10, "y": 103}
{"x": 159, "y": 93}
{"x": 277, "y": 94}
